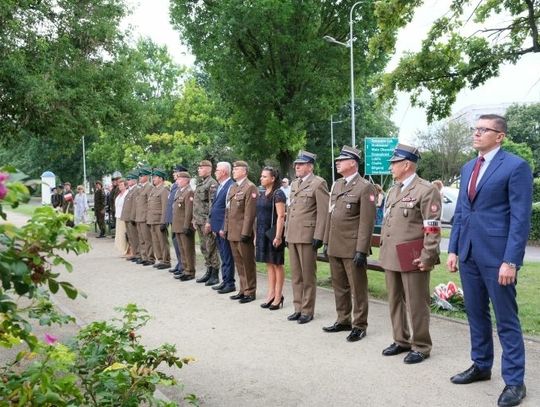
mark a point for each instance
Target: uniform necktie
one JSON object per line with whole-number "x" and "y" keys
{"x": 474, "y": 177}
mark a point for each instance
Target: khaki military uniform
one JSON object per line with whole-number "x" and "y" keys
{"x": 155, "y": 217}
{"x": 239, "y": 221}
{"x": 306, "y": 218}
{"x": 143, "y": 229}
{"x": 406, "y": 218}
{"x": 349, "y": 228}
{"x": 182, "y": 220}
{"x": 128, "y": 216}
{"x": 201, "y": 209}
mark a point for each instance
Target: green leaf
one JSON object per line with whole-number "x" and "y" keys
{"x": 53, "y": 285}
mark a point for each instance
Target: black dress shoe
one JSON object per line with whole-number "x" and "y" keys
{"x": 238, "y": 296}
{"x": 163, "y": 266}
{"x": 294, "y": 316}
{"x": 148, "y": 263}
{"x": 471, "y": 375}
{"x": 246, "y": 299}
{"x": 178, "y": 276}
{"x": 219, "y": 286}
{"x": 337, "y": 327}
{"x": 356, "y": 334}
{"x": 512, "y": 396}
{"x": 395, "y": 349}
{"x": 415, "y": 357}
{"x": 139, "y": 261}
{"x": 227, "y": 289}
{"x": 304, "y": 319}
{"x": 156, "y": 265}
{"x": 187, "y": 277}
{"x": 174, "y": 270}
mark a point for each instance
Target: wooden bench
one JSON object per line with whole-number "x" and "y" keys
{"x": 372, "y": 264}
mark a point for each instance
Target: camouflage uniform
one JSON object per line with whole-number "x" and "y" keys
{"x": 201, "y": 208}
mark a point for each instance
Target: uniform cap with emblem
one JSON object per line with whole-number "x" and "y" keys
{"x": 405, "y": 152}
{"x": 159, "y": 172}
{"x": 305, "y": 157}
{"x": 240, "y": 164}
{"x": 183, "y": 174}
{"x": 348, "y": 153}
{"x": 205, "y": 163}
{"x": 179, "y": 167}
{"x": 132, "y": 175}
{"x": 145, "y": 171}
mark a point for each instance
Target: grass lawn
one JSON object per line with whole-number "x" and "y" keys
{"x": 528, "y": 283}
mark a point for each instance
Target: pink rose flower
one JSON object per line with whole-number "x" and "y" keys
{"x": 50, "y": 339}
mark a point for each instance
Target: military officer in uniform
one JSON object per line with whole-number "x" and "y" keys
{"x": 155, "y": 218}
{"x": 178, "y": 268}
{"x": 347, "y": 239}
{"x": 412, "y": 214}
{"x": 99, "y": 207}
{"x": 128, "y": 216}
{"x": 239, "y": 222}
{"x": 306, "y": 218}
{"x": 183, "y": 227}
{"x": 141, "y": 209}
{"x": 201, "y": 209}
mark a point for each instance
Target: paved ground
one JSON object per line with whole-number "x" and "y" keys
{"x": 247, "y": 356}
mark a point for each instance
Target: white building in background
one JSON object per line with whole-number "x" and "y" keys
{"x": 471, "y": 113}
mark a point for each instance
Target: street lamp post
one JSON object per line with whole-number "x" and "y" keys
{"x": 332, "y": 122}
{"x": 349, "y": 44}
{"x": 84, "y": 164}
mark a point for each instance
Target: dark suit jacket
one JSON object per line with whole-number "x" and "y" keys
{"x": 217, "y": 208}
{"x": 497, "y": 222}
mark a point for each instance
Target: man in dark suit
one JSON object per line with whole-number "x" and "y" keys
{"x": 489, "y": 234}
{"x": 216, "y": 225}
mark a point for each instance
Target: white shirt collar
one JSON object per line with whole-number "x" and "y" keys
{"x": 489, "y": 156}
{"x": 407, "y": 181}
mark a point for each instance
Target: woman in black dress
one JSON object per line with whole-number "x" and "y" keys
{"x": 271, "y": 214}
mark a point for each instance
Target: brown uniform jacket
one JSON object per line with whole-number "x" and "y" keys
{"x": 241, "y": 210}
{"x": 404, "y": 216}
{"x": 182, "y": 210}
{"x": 129, "y": 203}
{"x": 157, "y": 205}
{"x": 351, "y": 218}
{"x": 141, "y": 202}
{"x": 307, "y": 211}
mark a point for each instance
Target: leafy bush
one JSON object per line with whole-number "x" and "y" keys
{"x": 535, "y": 222}
{"x": 536, "y": 190}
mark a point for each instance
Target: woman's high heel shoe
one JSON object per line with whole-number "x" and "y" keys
{"x": 279, "y": 305}
{"x": 267, "y": 304}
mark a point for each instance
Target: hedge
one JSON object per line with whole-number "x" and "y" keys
{"x": 536, "y": 190}
{"x": 535, "y": 222}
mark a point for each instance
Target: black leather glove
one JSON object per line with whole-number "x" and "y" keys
{"x": 325, "y": 250}
{"x": 317, "y": 244}
{"x": 163, "y": 227}
{"x": 134, "y": 223}
{"x": 360, "y": 259}
{"x": 245, "y": 238}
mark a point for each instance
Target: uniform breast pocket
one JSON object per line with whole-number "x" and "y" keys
{"x": 408, "y": 210}
{"x": 351, "y": 207}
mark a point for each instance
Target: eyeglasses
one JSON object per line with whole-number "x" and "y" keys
{"x": 483, "y": 130}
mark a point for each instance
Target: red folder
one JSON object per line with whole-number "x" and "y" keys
{"x": 409, "y": 251}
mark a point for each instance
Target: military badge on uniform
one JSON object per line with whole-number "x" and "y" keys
{"x": 434, "y": 208}
{"x": 254, "y": 195}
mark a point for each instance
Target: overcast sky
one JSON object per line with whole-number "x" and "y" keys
{"x": 516, "y": 83}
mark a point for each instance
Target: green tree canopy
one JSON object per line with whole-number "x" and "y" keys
{"x": 452, "y": 59}
{"x": 524, "y": 127}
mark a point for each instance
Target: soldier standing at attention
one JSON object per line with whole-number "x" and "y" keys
{"x": 99, "y": 207}
{"x": 155, "y": 218}
{"x": 239, "y": 222}
{"x": 128, "y": 216}
{"x": 141, "y": 209}
{"x": 349, "y": 227}
{"x": 306, "y": 217}
{"x": 182, "y": 225}
{"x": 201, "y": 209}
{"x": 412, "y": 213}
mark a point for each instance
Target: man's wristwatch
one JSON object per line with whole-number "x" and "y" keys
{"x": 511, "y": 265}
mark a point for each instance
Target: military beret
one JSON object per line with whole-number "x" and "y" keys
{"x": 348, "y": 153}
{"x": 145, "y": 171}
{"x": 183, "y": 174}
{"x": 405, "y": 152}
{"x": 179, "y": 167}
{"x": 132, "y": 175}
{"x": 240, "y": 164}
{"x": 305, "y": 157}
{"x": 159, "y": 172}
{"x": 205, "y": 163}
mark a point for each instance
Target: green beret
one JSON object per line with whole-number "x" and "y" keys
{"x": 145, "y": 171}
{"x": 159, "y": 172}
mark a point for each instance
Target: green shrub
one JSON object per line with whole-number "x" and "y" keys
{"x": 535, "y": 222}
{"x": 536, "y": 190}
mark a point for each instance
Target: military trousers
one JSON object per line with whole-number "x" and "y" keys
{"x": 244, "y": 259}
{"x": 410, "y": 291}
{"x": 133, "y": 239}
{"x": 350, "y": 291}
{"x": 145, "y": 241}
{"x": 187, "y": 252}
{"x": 303, "y": 259}
{"x": 160, "y": 244}
{"x": 208, "y": 247}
